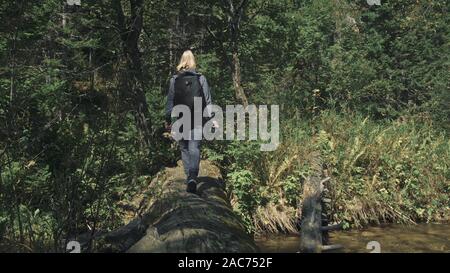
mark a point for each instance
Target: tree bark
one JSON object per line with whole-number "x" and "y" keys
{"x": 236, "y": 75}
{"x": 311, "y": 234}
{"x": 175, "y": 221}
{"x": 311, "y": 223}
{"x": 314, "y": 223}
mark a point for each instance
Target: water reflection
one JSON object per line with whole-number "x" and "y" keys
{"x": 392, "y": 238}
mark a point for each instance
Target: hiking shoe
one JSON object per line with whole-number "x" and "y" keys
{"x": 191, "y": 186}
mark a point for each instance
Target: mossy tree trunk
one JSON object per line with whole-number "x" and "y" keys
{"x": 172, "y": 220}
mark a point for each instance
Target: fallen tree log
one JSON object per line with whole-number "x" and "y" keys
{"x": 172, "y": 220}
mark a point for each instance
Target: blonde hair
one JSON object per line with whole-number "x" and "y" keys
{"x": 187, "y": 61}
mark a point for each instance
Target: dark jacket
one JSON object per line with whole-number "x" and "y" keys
{"x": 171, "y": 93}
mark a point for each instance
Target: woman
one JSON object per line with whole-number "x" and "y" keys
{"x": 184, "y": 86}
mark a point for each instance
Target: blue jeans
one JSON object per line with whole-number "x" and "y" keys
{"x": 190, "y": 155}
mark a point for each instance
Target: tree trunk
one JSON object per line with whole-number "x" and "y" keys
{"x": 133, "y": 78}
{"x": 314, "y": 223}
{"x": 181, "y": 222}
{"x": 235, "y": 13}
{"x": 311, "y": 234}
{"x": 236, "y": 75}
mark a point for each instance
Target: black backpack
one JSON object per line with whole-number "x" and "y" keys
{"x": 187, "y": 87}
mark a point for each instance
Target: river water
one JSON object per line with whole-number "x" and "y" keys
{"x": 389, "y": 238}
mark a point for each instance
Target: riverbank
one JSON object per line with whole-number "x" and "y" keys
{"x": 382, "y": 171}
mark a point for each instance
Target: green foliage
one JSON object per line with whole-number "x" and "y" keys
{"x": 394, "y": 171}
{"x": 245, "y": 189}
{"x": 365, "y": 87}
{"x": 387, "y": 172}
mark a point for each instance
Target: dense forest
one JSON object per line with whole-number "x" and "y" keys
{"x": 83, "y": 88}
